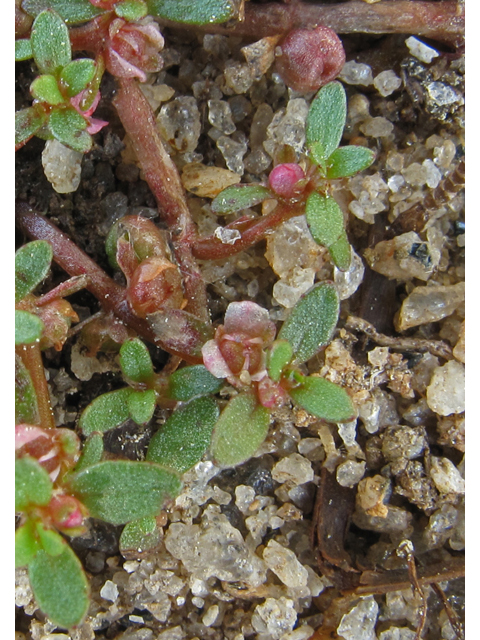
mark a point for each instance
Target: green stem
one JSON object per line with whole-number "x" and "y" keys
{"x": 32, "y": 359}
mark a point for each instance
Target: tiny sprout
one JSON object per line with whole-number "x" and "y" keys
{"x": 310, "y": 58}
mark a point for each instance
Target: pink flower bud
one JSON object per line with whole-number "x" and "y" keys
{"x": 310, "y": 58}
{"x": 284, "y": 178}
{"x": 67, "y": 514}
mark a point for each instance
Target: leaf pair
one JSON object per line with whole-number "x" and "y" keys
{"x": 183, "y": 11}
{"x": 325, "y": 124}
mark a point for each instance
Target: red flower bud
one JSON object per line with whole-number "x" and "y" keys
{"x": 284, "y": 178}
{"x": 310, "y": 58}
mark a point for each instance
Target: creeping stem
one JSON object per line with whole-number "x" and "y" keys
{"x": 32, "y": 359}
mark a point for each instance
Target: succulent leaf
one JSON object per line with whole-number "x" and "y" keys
{"x": 324, "y": 399}
{"x": 239, "y": 197}
{"x": 135, "y": 361}
{"x": 346, "y": 161}
{"x": 191, "y": 382}
{"x": 324, "y": 218}
{"x": 50, "y": 42}
{"x": 192, "y": 11}
{"x": 326, "y": 120}
{"x": 28, "y": 327}
{"x": 32, "y": 264}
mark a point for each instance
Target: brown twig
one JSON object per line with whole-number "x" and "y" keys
{"x": 435, "y": 347}
{"x": 163, "y": 179}
{"x": 455, "y": 621}
{"x": 443, "y": 21}
{"x": 32, "y": 359}
{"x": 405, "y": 550}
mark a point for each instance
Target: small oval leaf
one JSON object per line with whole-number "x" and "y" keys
{"x": 346, "y": 161}
{"x": 119, "y": 491}
{"x": 106, "y": 412}
{"x": 68, "y": 127}
{"x": 135, "y": 361}
{"x": 324, "y": 399}
{"x": 45, "y": 89}
{"x": 131, "y": 10}
{"x": 28, "y": 327}
{"x": 32, "y": 484}
{"x": 192, "y": 382}
{"x": 23, "y": 49}
{"x": 280, "y": 354}
{"x": 76, "y": 75}
{"x": 239, "y": 197}
{"x": 26, "y": 406}
{"x": 26, "y": 544}
{"x": 27, "y": 123}
{"x": 326, "y": 120}
{"x": 50, "y": 42}
{"x": 141, "y": 405}
{"x": 51, "y": 541}
{"x": 139, "y": 536}
{"x": 340, "y": 253}
{"x": 60, "y": 587}
{"x": 32, "y": 264}
{"x": 312, "y": 321}
{"x": 324, "y": 218}
{"x": 192, "y": 11}
{"x": 240, "y": 430}
{"x": 92, "y": 451}
{"x": 72, "y": 11}
{"x": 185, "y": 436}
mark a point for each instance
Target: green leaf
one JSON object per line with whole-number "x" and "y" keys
{"x": 60, "y": 587}
{"x": 51, "y": 541}
{"x": 326, "y": 120}
{"x": 32, "y": 264}
{"x": 191, "y": 382}
{"x": 50, "y": 42}
{"x": 26, "y": 544}
{"x": 280, "y": 354}
{"x": 26, "y": 407}
{"x": 141, "y": 405}
{"x": 76, "y": 75}
{"x": 68, "y": 127}
{"x": 340, "y": 253}
{"x": 45, "y": 89}
{"x": 92, "y": 451}
{"x": 27, "y": 123}
{"x": 32, "y": 484}
{"x": 135, "y": 361}
{"x": 324, "y": 218}
{"x": 72, "y": 11}
{"x": 240, "y": 430}
{"x": 23, "y": 49}
{"x": 192, "y": 11}
{"x": 28, "y": 327}
{"x": 239, "y": 197}
{"x": 346, "y": 161}
{"x": 312, "y": 321}
{"x": 131, "y": 10}
{"x": 139, "y": 536}
{"x": 119, "y": 491}
{"x": 324, "y": 399}
{"x": 178, "y": 330}
{"x": 185, "y": 436}
{"x": 106, "y": 412}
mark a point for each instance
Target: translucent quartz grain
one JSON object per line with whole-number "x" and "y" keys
{"x": 378, "y": 127}
{"x": 62, "y": 166}
{"x": 430, "y": 304}
{"x": 348, "y": 281}
{"x": 387, "y": 82}
{"x": 294, "y": 469}
{"x": 220, "y": 116}
{"x": 446, "y": 391}
{"x": 356, "y": 73}
{"x": 233, "y": 153}
{"x": 239, "y": 77}
{"x": 359, "y": 622}
{"x": 179, "y": 123}
{"x": 350, "y": 472}
{"x": 285, "y": 565}
{"x": 274, "y": 617}
{"x": 446, "y": 476}
{"x": 420, "y": 50}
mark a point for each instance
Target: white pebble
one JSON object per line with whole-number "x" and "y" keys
{"x": 62, "y": 166}
{"x": 446, "y": 391}
{"x": 420, "y": 50}
{"x": 211, "y": 615}
{"x": 109, "y": 591}
{"x": 356, "y": 73}
{"x": 359, "y": 622}
{"x": 387, "y": 82}
{"x": 294, "y": 468}
{"x": 446, "y": 476}
{"x": 378, "y": 127}
{"x": 285, "y": 565}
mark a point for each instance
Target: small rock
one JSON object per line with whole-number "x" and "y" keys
{"x": 371, "y": 494}
{"x": 359, "y": 622}
{"x": 285, "y": 565}
{"x": 294, "y": 469}
{"x": 446, "y": 476}
{"x": 459, "y": 349}
{"x": 356, "y": 73}
{"x": 109, "y": 591}
{"x": 239, "y": 77}
{"x": 446, "y": 391}
{"x": 179, "y": 123}
{"x": 378, "y": 127}
{"x": 348, "y": 281}
{"x": 442, "y": 94}
{"x": 403, "y": 442}
{"x": 211, "y": 615}
{"x": 62, "y": 166}
{"x": 387, "y": 82}
{"x": 207, "y": 182}
{"x": 233, "y": 152}
{"x": 275, "y": 617}
{"x": 220, "y": 116}
{"x": 260, "y": 55}
{"x": 420, "y": 50}
{"x": 397, "y": 633}
{"x": 350, "y": 473}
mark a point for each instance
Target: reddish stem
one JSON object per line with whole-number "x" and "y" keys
{"x": 443, "y": 21}
{"x": 32, "y": 359}
{"x": 212, "y": 248}
{"x": 76, "y": 262}
{"x": 164, "y": 181}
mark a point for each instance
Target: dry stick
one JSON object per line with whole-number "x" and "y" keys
{"x": 32, "y": 359}
{"x": 443, "y": 21}
{"x": 454, "y": 619}
{"x": 76, "y": 262}
{"x": 164, "y": 181}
